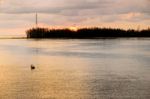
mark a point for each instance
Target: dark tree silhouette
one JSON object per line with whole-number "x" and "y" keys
{"x": 85, "y": 33}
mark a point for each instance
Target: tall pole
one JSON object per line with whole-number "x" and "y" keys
{"x": 36, "y": 21}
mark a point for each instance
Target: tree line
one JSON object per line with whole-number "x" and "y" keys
{"x": 85, "y": 33}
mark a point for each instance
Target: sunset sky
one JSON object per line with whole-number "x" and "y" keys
{"x": 16, "y": 16}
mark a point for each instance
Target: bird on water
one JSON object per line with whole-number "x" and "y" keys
{"x": 32, "y": 67}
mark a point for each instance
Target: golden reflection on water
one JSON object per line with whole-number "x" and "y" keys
{"x": 74, "y": 69}
{"x": 48, "y": 80}
{"x": 53, "y": 77}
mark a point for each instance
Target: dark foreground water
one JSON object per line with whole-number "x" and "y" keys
{"x": 75, "y": 69}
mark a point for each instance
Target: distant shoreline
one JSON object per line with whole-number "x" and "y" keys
{"x": 85, "y": 33}
{"x": 74, "y": 38}
{"x": 13, "y": 37}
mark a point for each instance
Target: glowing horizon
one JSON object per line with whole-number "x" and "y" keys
{"x": 16, "y": 17}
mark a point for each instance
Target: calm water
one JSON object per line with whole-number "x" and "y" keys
{"x": 75, "y": 69}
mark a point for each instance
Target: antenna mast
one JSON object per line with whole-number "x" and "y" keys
{"x": 36, "y": 20}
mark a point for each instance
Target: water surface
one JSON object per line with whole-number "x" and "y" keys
{"x": 75, "y": 69}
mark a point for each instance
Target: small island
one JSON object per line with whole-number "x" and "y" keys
{"x": 85, "y": 33}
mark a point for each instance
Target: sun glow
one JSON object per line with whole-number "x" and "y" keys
{"x": 73, "y": 28}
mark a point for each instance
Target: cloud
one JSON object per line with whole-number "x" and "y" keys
{"x": 62, "y": 6}
{"x": 20, "y": 13}
{"x": 52, "y": 7}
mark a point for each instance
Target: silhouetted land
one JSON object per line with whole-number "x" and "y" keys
{"x": 85, "y": 33}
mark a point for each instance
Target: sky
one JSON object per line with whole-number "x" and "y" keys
{"x": 16, "y": 16}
